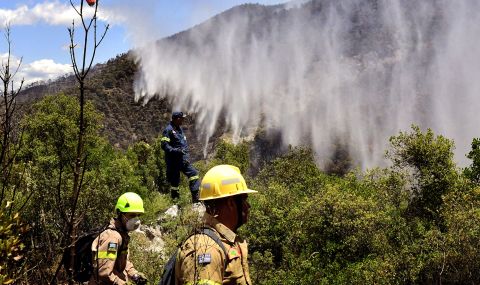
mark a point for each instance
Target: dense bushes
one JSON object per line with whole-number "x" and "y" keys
{"x": 315, "y": 228}
{"x": 429, "y": 160}
{"x": 415, "y": 222}
{"x": 11, "y": 246}
{"x": 47, "y": 153}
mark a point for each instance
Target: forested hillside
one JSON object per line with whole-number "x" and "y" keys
{"x": 110, "y": 87}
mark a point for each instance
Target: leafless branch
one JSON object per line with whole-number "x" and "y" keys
{"x": 71, "y": 32}
{"x": 96, "y": 44}
{"x": 79, "y": 165}
{"x": 75, "y": 8}
{"x": 7, "y": 152}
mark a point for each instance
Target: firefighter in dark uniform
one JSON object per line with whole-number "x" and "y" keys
{"x": 177, "y": 159}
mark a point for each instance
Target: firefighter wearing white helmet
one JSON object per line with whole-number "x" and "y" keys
{"x": 110, "y": 249}
{"x": 200, "y": 259}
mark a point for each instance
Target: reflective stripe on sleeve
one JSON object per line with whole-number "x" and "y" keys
{"x": 193, "y": 178}
{"x": 107, "y": 255}
{"x": 173, "y": 188}
{"x": 202, "y": 282}
{"x": 165, "y": 139}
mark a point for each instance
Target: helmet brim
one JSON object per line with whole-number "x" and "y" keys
{"x": 137, "y": 211}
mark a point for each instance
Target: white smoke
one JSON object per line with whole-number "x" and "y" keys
{"x": 324, "y": 72}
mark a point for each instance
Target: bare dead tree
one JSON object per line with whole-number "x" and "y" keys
{"x": 82, "y": 64}
{"x": 8, "y": 106}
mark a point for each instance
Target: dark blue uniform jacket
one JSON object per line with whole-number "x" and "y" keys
{"x": 174, "y": 143}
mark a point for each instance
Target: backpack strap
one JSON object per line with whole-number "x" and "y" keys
{"x": 212, "y": 234}
{"x": 168, "y": 276}
{"x": 100, "y": 232}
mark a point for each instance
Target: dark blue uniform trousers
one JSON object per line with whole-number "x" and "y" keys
{"x": 174, "y": 167}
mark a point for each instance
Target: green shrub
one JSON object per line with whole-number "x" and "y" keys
{"x": 429, "y": 158}
{"x": 460, "y": 248}
{"x": 473, "y": 171}
{"x": 227, "y": 153}
{"x": 150, "y": 256}
{"x": 11, "y": 246}
{"x": 295, "y": 171}
{"x": 416, "y": 222}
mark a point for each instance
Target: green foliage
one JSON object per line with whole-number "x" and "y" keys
{"x": 49, "y": 150}
{"x": 144, "y": 163}
{"x": 310, "y": 228}
{"x": 161, "y": 168}
{"x": 282, "y": 186}
{"x": 11, "y": 246}
{"x": 155, "y": 204}
{"x": 417, "y": 222}
{"x": 430, "y": 159}
{"x": 473, "y": 171}
{"x": 115, "y": 177}
{"x": 461, "y": 243}
{"x": 295, "y": 171}
{"x": 149, "y": 256}
{"x": 228, "y": 153}
{"x": 237, "y": 155}
{"x": 51, "y": 131}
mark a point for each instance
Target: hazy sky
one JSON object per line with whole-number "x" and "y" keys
{"x": 39, "y": 28}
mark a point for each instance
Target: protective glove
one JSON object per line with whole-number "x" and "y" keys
{"x": 178, "y": 150}
{"x": 140, "y": 279}
{"x": 186, "y": 160}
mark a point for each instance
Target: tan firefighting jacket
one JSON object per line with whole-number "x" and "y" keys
{"x": 201, "y": 260}
{"x": 112, "y": 264}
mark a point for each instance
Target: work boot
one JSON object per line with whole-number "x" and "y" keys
{"x": 195, "y": 197}
{"x": 174, "y": 194}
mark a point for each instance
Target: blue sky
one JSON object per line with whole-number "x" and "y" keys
{"x": 39, "y": 28}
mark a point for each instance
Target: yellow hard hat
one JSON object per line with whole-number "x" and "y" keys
{"x": 223, "y": 181}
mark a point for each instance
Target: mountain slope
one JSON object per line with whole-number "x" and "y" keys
{"x": 110, "y": 87}
{"x": 326, "y": 72}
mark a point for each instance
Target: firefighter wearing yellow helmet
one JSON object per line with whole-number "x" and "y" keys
{"x": 200, "y": 259}
{"x": 110, "y": 249}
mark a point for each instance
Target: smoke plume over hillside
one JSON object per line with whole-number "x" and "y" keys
{"x": 327, "y": 72}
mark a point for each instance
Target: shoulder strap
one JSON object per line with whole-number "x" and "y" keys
{"x": 120, "y": 247}
{"x": 108, "y": 227}
{"x": 211, "y": 233}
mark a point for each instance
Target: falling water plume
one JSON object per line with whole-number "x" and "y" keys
{"x": 327, "y": 71}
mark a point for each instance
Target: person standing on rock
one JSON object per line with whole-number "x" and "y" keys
{"x": 177, "y": 158}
